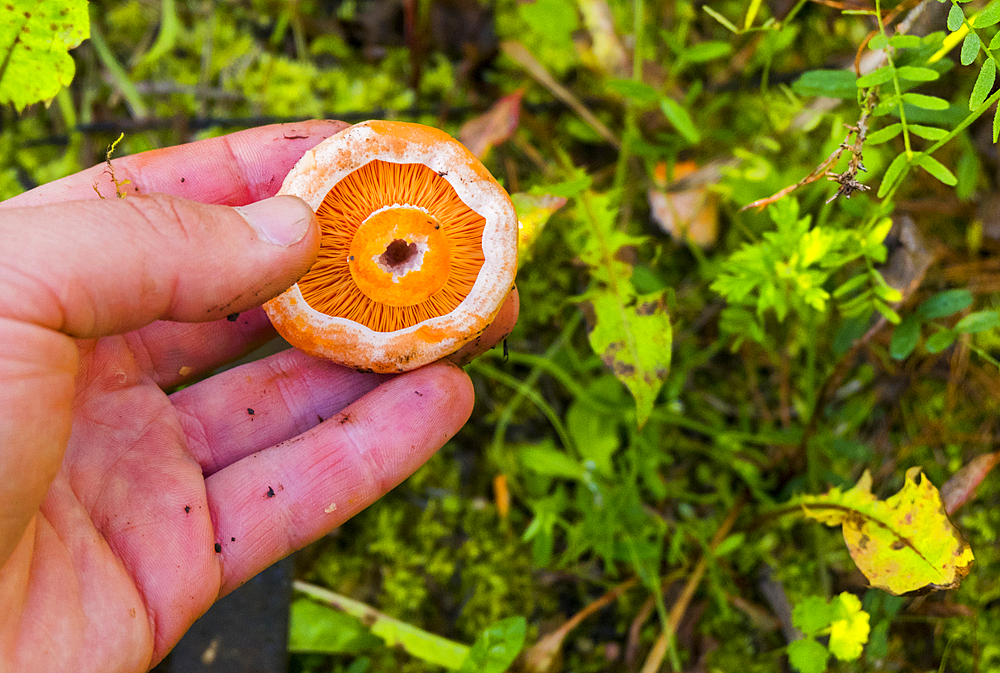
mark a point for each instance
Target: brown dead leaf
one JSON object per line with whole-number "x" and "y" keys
{"x": 690, "y": 215}
{"x": 493, "y": 127}
{"x": 606, "y": 50}
{"x": 962, "y": 486}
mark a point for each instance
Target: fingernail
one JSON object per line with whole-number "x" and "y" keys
{"x": 281, "y": 220}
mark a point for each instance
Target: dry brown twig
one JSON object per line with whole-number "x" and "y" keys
{"x": 854, "y": 142}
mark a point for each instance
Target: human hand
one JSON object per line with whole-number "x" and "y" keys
{"x": 126, "y": 511}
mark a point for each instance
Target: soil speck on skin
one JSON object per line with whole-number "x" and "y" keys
{"x": 218, "y": 548}
{"x": 270, "y": 492}
{"x": 182, "y": 179}
{"x": 344, "y": 419}
{"x": 232, "y": 317}
{"x": 187, "y": 509}
{"x": 250, "y": 411}
{"x": 418, "y": 393}
{"x": 232, "y": 539}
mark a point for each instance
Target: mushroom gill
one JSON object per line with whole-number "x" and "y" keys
{"x": 398, "y": 246}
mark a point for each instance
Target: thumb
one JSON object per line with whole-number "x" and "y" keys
{"x": 93, "y": 268}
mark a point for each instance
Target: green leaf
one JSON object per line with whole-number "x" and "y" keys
{"x": 878, "y": 42}
{"x": 901, "y": 544}
{"x": 640, "y": 92}
{"x": 167, "y": 35}
{"x": 927, "y": 132}
{"x": 984, "y": 84}
{"x": 892, "y": 174}
{"x": 875, "y": 77}
{"x": 497, "y": 647}
{"x": 945, "y": 303}
{"x": 995, "y": 42}
{"x": 970, "y": 48}
{"x": 905, "y": 337}
{"x": 904, "y": 41}
{"x": 980, "y": 321}
{"x": 939, "y": 341}
{"x": 807, "y": 656}
{"x": 885, "y": 134}
{"x": 917, "y": 74}
{"x": 996, "y": 123}
{"x": 707, "y": 51}
{"x": 721, "y": 19}
{"x": 680, "y": 119}
{"x": 548, "y": 461}
{"x": 832, "y": 83}
{"x": 34, "y": 40}
{"x": 313, "y": 627}
{"x": 633, "y": 338}
{"x": 594, "y": 435}
{"x": 955, "y": 18}
{"x": 925, "y": 102}
{"x": 396, "y": 634}
{"x": 811, "y": 615}
{"x": 937, "y": 169}
{"x": 989, "y": 16}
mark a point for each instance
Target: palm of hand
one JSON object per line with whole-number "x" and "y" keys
{"x": 152, "y": 506}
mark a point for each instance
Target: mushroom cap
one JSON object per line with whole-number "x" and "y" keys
{"x": 356, "y": 345}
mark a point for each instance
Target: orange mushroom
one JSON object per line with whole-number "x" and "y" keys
{"x": 418, "y": 248}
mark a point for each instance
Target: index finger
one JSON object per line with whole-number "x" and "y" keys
{"x": 231, "y": 170}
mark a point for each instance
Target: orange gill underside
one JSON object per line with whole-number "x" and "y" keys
{"x": 330, "y": 287}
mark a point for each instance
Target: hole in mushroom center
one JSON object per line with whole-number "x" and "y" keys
{"x": 401, "y": 257}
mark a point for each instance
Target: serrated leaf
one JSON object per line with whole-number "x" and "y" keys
{"x": 939, "y": 341}
{"x": 927, "y": 132}
{"x": 917, "y": 74}
{"x": 989, "y": 16}
{"x": 680, "y": 119}
{"x": 945, "y": 303}
{"x": 984, "y": 84}
{"x": 35, "y": 37}
{"x": 970, "y": 48}
{"x": 937, "y": 169}
{"x": 634, "y": 339}
{"x": 497, "y": 647}
{"x": 905, "y": 337}
{"x": 955, "y": 18}
{"x": 832, "y": 83}
{"x": 980, "y": 321}
{"x": 901, "y": 544}
{"x": 892, "y": 174}
{"x": 875, "y": 77}
{"x": 807, "y": 656}
{"x": 925, "y": 102}
{"x": 884, "y": 134}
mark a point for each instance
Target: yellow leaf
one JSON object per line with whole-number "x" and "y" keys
{"x": 901, "y": 544}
